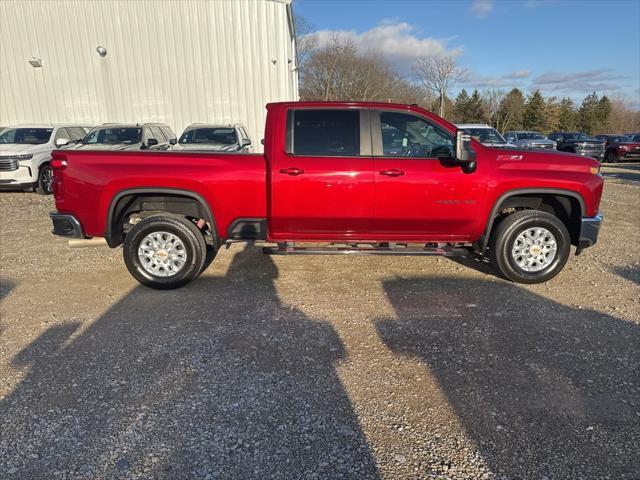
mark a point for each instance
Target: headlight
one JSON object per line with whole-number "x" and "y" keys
{"x": 28, "y": 156}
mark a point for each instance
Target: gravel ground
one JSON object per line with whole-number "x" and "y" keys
{"x": 319, "y": 367}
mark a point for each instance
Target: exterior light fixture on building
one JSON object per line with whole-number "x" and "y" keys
{"x": 101, "y": 51}
{"x": 36, "y": 62}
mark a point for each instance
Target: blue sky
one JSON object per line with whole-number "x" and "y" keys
{"x": 563, "y": 47}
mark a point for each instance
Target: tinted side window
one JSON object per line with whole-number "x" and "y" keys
{"x": 156, "y": 133}
{"x": 405, "y": 135}
{"x": 325, "y": 132}
{"x": 76, "y": 133}
{"x": 62, "y": 133}
{"x": 167, "y": 132}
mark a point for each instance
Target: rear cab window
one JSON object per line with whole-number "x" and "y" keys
{"x": 324, "y": 132}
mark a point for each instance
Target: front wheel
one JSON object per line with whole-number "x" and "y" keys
{"x": 164, "y": 252}
{"x": 45, "y": 180}
{"x": 530, "y": 246}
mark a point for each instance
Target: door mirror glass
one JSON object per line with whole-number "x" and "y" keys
{"x": 245, "y": 142}
{"x": 173, "y": 141}
{"x": 152, "y": 142}
{"x": 61, "y": 142}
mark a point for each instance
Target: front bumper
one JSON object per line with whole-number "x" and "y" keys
{"x": 6, "y": 184}
{"x": 66, "y": 225}
{"x": 589, "y": 229}
{"x": 597, "y": 154}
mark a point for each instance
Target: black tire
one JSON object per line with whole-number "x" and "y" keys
{"x": 610, "y": 157}
{"x": 192, "y": 241}
{"x": 505, "y": 235}
{"x": 45, "y": 180}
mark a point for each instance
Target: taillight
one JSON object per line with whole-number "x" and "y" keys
{"x": 58, "y": 161}
{"x": 58, "y": 164}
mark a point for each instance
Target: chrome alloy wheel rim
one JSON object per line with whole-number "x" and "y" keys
{"x": 534, "y": 249}
{"x": 47, "y": 180}
{"x": 162, "y": 254}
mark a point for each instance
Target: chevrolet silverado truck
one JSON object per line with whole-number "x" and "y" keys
{"x": 335, "y": 178}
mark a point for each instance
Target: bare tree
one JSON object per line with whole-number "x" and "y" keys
{"x": 340, "y": 71}
{"x": 439, "y": 74}
{"x": 306, "y": 41}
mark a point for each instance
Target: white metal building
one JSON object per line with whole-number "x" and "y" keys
{"x": 171, "y": 61}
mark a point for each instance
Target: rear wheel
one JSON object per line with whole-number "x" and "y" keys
{"x": 45, "y": 180}
{"x": 164, "y": 252}
{"x": 530, "y": 246}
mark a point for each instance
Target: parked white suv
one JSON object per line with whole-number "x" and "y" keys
{"x": 220, "y": 138}
{"x": 25, "y": 152}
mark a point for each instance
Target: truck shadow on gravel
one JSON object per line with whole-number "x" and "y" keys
{"x": 216, "y": 380}
{"x": 544, "y": 390}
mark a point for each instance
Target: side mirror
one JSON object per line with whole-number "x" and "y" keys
{"x": 61, "y": 142}
{"x": 465, "y": 155}
{"x": 173, "y": 141}
{"x": 152, "y": 142}
{"x": 245, "y": 142}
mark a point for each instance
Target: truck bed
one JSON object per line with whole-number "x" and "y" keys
{"x": 233, "y": 185}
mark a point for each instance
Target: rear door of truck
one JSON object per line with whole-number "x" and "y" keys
{"x": 322, "y": 184}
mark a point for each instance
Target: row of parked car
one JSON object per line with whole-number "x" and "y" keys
{"x": 25, "y": 150}
{"x": 608, "y": 148}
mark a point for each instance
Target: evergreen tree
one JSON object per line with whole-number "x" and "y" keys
{"x": 567, "y": 116}
{"x": 603, "y": 114}
{"x": 511, "y": 111}
{"x": 475, "y": 108}
{"x": 534, "y": 112}
{"x": 588, "y": 114}
{"x": 460, "y": 107}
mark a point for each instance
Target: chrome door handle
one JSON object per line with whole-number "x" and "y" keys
{"x": 394, "y": 172}
{"x": 292, "y": 171}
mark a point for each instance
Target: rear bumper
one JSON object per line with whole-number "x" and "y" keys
{"x": 589, "y": 229}
{"x": 66, "y": 225}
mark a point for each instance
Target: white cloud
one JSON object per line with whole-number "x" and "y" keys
{"x": 395, "y": 41}
{"x": 519, "y": 74}
{"x": 586, "y": 81}
{"x": 481, "y": 8}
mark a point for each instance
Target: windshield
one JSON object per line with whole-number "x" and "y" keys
{"x": 27, "y": 136}
{"x": 218, "y": 136}
{"x": 531, "y": 136}
{"x": 485, "y": 135}
{"x": 576, "y": 136}
{"x": 113, "y": 136}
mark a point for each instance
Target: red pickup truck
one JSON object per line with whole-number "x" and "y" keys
{"x": 335, "y": 178}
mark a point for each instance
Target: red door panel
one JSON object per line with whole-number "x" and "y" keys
{"x": 322, "y": 187}
{"x": 430, "y": 200}
{"x": 331, "y": 198}
{"x": 420, "y": 196}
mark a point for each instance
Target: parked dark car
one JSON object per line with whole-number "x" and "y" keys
{"x": 112, "y": 136}
{"x": 620, "y": 148}
{"x": 529, "y": 139}
{"x": 580, "y": 143}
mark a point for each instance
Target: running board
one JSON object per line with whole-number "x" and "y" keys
{"x": 445, "y": 251}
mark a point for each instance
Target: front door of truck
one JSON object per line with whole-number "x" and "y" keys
{"x": 322, "y": 185}
{"x": 421, "y": 193}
